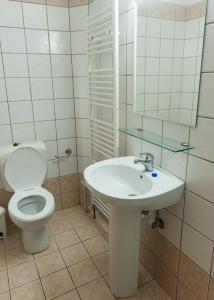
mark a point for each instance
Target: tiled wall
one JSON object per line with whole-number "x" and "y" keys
{"x": 181, "y": 255}
{"x": 43, "y": 87}
{"x": 65, "y": 3}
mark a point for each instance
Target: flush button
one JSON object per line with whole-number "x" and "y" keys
{"x": 154, "y": 174}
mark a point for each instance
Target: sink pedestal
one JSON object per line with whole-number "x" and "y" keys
{"x": 125, "y": 226}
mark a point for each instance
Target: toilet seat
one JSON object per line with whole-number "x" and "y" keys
{"x": 15, "y": 200}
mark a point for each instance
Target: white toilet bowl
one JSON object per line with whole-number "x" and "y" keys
{"x": 31, "y": 210}
{"x": 23, "y": 170}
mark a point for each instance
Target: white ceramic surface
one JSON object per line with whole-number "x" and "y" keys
{"x": 129, "y": 189}
{"x": 121, "y": 182}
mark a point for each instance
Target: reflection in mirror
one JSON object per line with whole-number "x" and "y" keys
{"x": 168, "y": 58}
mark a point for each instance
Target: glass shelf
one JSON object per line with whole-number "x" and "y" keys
{"x": 157, "y": 140}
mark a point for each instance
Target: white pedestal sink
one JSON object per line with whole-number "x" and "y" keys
{"x": 129, "y": 190}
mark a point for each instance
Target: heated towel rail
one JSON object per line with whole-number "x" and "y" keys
{"x": 103, "y": 54}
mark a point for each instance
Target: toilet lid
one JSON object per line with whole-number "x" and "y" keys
{"x": 25, "y": 168}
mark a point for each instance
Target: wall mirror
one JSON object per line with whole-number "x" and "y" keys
{"x": 169, "y": 44}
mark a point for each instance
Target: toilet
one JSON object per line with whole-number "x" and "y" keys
{"x": 23, "y": 169}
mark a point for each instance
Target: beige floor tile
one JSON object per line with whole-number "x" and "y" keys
{"x": 29, "y": 291}
{"x": 87, "y": 231}
{"x": 74, "y": 254}
{"x": 59, "y": 225}
{"x": 144, "y": 275}
{"x": 67, "y": 238}
{"x": 73, "y": 295}
{"x": 141, "y": 295}
{"x": 51, "y": 248}
{"x": 50, "y": 263}
{"x": 12, "y": 229}
{"x": 22, "y": 274}
{"x": 5, "y": 296}
{"x": 13, "y": 241}
{"x": 155, "y": 292}
{"x": 107, "y": 279}
{"x": 3, "y": 281}
{"x": 78, "y": 219}
{"x": 17, "y": 256}
{"x": 2, "y": 260}
{"x": 96, "y": 245}
{"x": 57, "y": 284}
{"x": 83, "y": 272}
{"x": 102, "y": 262}
{"x": 95, "y": 290}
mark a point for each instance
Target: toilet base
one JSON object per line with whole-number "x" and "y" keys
{"x": 35, "y": 241}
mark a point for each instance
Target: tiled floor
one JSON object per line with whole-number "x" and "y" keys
{"x": 74, "y": 267}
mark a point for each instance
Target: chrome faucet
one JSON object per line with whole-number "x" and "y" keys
{"x": 148, "y": 161}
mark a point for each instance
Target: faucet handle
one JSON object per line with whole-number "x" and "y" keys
{"x": 149, "y": 157}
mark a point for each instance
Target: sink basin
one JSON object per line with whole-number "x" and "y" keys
{"x": 121, "y": 182}
{"x": 129, "y": 189}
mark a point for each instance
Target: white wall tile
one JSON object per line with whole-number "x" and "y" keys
{"x": 65, "y": 128}
{"x": 52, "y": 170}
{"x": 11, "y": 14}
{"x": 82, "y": 109}
{"x": 58, "y": 18}
{"x": 80, "y": 87}
{"x": 23, "y": 132}
{"x": 83, "y": 128}
{"x": 63, "y": 87}
{"x": 45, "y": 130}
{"x": 78, "y": 17}
{"x": 41, "y": 88}
{"x": 43, "y": 110}
{"x": 51, "y": 149}
{"x": 15, "y": 65}
{"x": 206, "y": 106}
{"x": 174, "y": 163}
{"x": 4, "y": 113}
{"x": 130, "y": 61}
{"x": 64, "y": 144}
{"x": 79, "y": 42}
{"x": 122, "y": 60}
{"x": 122, "y": 29}
{"x": 131, "y": 26}
{"x": 18, "y": 89}
{"x": 5, "y": 134}
{"x": 80, "y": 65}
{"x": 208, "y": 62}
{"x": 37, "y": 41}
{"x": 3, "y": 95}
{"x": 61, "y": 65}
{"x": 201, "y": 138}
{"x": 199, "y": 214}
{"x": 21, "y": 111}
{"x": 200, "y": 177}
{"x": 64, "y": 108}
{"x": 1, "y": 68}
{"x": 39, "y": 65}
{"x": 122, "y": 6}
{"x": 197, "y": 247}
{"x": 60, "y": 42}
{"x": 83, "y": 147}
{"x": 83, "y": 162}
{"x": 12, "y": 40}
{"x": 35, "y": 16}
